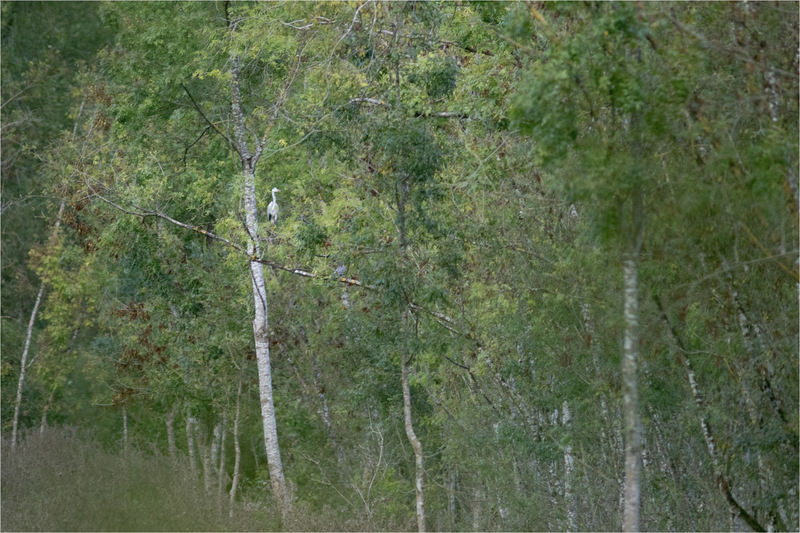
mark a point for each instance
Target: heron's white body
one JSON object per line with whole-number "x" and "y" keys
{"x": 272, "y": 208}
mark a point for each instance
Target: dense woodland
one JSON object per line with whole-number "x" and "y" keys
{"x": 535, "y": 265}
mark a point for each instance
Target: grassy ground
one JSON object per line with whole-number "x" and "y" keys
{"x": 59, "y": 481}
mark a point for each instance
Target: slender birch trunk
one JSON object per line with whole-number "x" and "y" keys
{"x": 255, "y": 452}
{"x": 237, "y": 449}
{"x": 46, "y": 408}
{"x": 415, "y": 444}
{"x": 451, "y": 497}
{"x": 750, "y": 334}
{"x": 205, "y": 457}
{"x": 737, "y": 511}
{"x": 125, "y": 429}
{"x": 630, "y": 358}
{"x": 23, "y": 362}
{"x": 215, "y": 442}
{"x": 326, "y": 417}
{"x": 260, "y": 324}
{"x": 569, "y": 468}
{"x": 477, "y": 509}
{"x": 631, "y": 398}
{"x": 221, "y": 470}
{"x": 43, "y": 426}
{"x": 190, "y": 445}
{"x": 173, "y": 448}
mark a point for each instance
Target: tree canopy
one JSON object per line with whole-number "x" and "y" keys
{"x": 487, "y": 210}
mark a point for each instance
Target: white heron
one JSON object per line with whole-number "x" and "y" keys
{"x": 272, "y": 208}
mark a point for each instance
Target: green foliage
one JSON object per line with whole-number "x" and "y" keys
{"x": 472, "y": 166}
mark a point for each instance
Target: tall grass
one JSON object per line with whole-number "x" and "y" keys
{"x": 60, "y": 481}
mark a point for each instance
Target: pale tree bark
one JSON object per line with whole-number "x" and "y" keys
{"x": 45, "y": 410}
{"x": 23, "y": 366}
{"x": 125, "y": 429}
{"x": 43, "y": 425}
{"x": 205, "y": 444}
{"x": 260, "y": 324}
{"x": 221, "y": 470}
{"x": 173, "y": 448}
{"x": 326, "y": 417}
{"x": 736, "y": 509}
{"x": 215, "y": 442}
{"x": 236, "y": 447}
{"x": 630, "y": 358}
{"x": 415, "y": 444}
{"x": 477, "y": 509}
{"x": 451, "y": 497}
{"x": 755, "y": 345}
{"x": 569, "y": 469}
{"x": 631, "y": 399}
{"x": 190, "y": 444}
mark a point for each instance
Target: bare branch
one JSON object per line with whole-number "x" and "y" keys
{"x": 216, "y": 128}
{"x": 369, "y": 101}
{"x": 440, "y": 318}
{"x": 292, "y": 24}
{"x": 185, "y": 152}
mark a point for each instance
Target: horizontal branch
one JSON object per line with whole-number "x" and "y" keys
{"x": 442, "y": 114}
{"x": 291, "y": 24}
{"x": 442, "y": 319}
{"x": 373, "y": 101}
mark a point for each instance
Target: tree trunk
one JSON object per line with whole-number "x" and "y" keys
{"x": 326, "y": 418}
{"x": 215, "y": 442}
{"x": 173, "y": 449}
{"x": 631, "y": 398}
{"x": 205, "y": 456}
{"x": 125, "y": 430}
{"x": 630, "y": 358}
{"x": 569, "y": 468}
{"x": 23, "y": 362}
{"x": 477, "y": 509}
{"x": 255, "y": 452}
{"x": 43, "y": 426}
{"x": 190, "y": 445}
{"x": 260, "y": 329}
{"x": 451, "y": 497}
{"x": 415, "y": 443}
{"x": 737, "y": 511}
{"x": 221, "y": 470}
{"x": 23, "y": 366}
{"x": 236, "y": 448}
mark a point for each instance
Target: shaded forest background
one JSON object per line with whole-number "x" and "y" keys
{"x": 466, "y": 189}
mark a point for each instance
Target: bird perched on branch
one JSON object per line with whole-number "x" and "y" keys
{"x": 272, "y": 208}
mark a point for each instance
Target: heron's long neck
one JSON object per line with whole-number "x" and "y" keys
{"x": 273, "y": 197}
